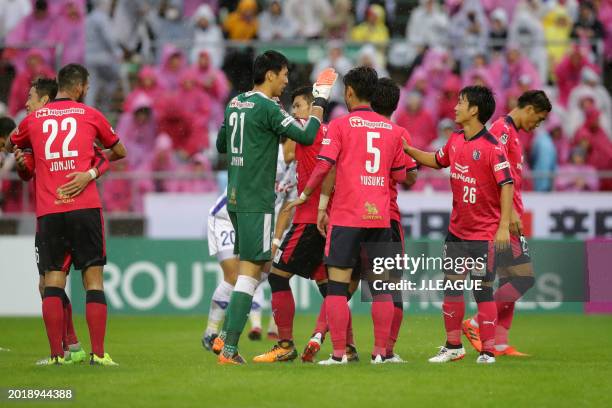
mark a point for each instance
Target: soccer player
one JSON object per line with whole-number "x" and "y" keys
{"x": 517, "y": 278}
{"x": 384, "y": 102}
{"x": 367, "y": 152}
{"x": 250, "y": 134}
{"x": 481, "y": 182}
{"x": 61, "y": 136}
{"x": 44, "y": 90}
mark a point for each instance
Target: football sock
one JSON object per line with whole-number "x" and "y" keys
{"x": 510, "y": 290}
{"x": 337, "y": 312}
{"x": 96, "y": 315}
{"x": 218, "y": 306}
{"x": 71, "y": 337}
{"x": 382, "y": 317}
{"x": 283, "y": 306}
{"x": 321, "y": 326}
{"x": 505, "y": 314}
{"x": 349, "y": 328}
{"x": 487, "y": 319}
{"x": 398, "y": 316}
{"x": 257, "y": 308}
{"x": 53, "y": 316}
{"x": 238, "y": 312}
{"x": 453, "y": 309}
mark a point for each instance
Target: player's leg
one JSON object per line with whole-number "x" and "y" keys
{"x": 351, "y": 349}
{"x": 256, "y": 312}
{"x": 220, "y": 298}
{"x": 318, "y": 334}
{"x": 487, "y": 309}
{"x": 254, "y": 244}
{"x": 398, "y": 307}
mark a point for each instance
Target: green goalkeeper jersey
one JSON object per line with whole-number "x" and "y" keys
{"x": 250, "y": 135}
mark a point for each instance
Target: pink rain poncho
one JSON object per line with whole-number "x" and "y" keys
{"x": 69, "y": 31}
{"x": 148, "y": 85}
{"x": 215, "y": 84}
{"x": 35, "y": 67}
{"x": 171, "y": 67}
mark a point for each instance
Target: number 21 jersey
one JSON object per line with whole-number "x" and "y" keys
{"x": 62, "y": 136}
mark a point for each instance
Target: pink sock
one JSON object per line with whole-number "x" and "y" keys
{"x": 398, "y": 316}
{"x": 505, "y": 314}
{"x": 53, "y": 316}
{"x": 338, "y": 313}
{"x": 321, "y": 326}
{"x": 349, "y": 329}
{"x": 382, "y": 317}
{"x": 283, "y": 309}
{"x": 507, "y": 293}
{"x": 487, "y": 319}
{"x": 453, "y": 309}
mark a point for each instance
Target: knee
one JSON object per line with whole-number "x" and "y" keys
{"x": 484, "y": 294}
{"x": 523, "y": 283}
{"x": 278, "y": 283}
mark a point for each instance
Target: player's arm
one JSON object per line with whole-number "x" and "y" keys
{"x": 428, "y": 159}
{"x": 411, "y": 165}
{"x": 80, "y": 179}
{"x": 326, "y": 191}
{"x": 398, "y": 167}
{"x": 25, "y": 164}
{"x": 289, "y": 151}
{"x": 107, "y": 137}
{"x": 500, "y": 166}
{"x": 284, "y": 218}
{"x": 222, "y": 139}
{"x": 116, "y": 152}
{"x": 411, "y": 177}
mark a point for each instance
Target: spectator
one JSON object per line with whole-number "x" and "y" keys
{"x": 207, "y": 36}
{"x": 469, "y": 32}
{"x": 163, "y": 159}
{"x": 527, "y": 32}
{"x": 134, "y": 29}
{"x": 190, "y": 7}
{"x": 138, "y": 129}
{"x": 426, "y": 28}
{"x": 605, "y": 16}
{"x": 171, "y": 67}
{"x": 242, "y": 24}
{"x": 361, "y": 9}
{"x": 340, "y": 21}
{"x": 557, "y": 29}
{"x": 418, "y": 121}
{"x": 176, "y": 121}
{"x": 335, "y": 59}
{"x": 191, "y": 95}
{"x": 274, "y": 25}
{"x": 148, "y": 85}
{"x": 369, "y": 57}
{"x": 590, "y": 87}
{"x": 448, "y": 98}
{"x": 544, "y": 160}
{"x": 69, "y": 32}
{"x": 215, "y": 84}
{"x": 13, "y": 12}
{"x": 117, "y": 192}
{"x": 33, "y": 31}
{"x": 506, "y": 71}
{"x": 576, "y": 175}
{"x": 309, "y": 15}
{"x": 569, "y": 70}
{"x": 591, "y": 137}
{"x": 498, "y": 34}
{"x": 199, "y": 170}
{"x": 588, "y": 28}
{"x": 562, "y": 143}
{"x": 35, "y": 68}
{"x": 102, "y": 56}
{"x": 168, "y": 25}
{"x": 373, "y": 29}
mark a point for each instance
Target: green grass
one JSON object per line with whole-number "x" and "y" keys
{"x": 163, "y": 364}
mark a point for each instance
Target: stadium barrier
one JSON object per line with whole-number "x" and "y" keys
{"x": 147, "y": 276}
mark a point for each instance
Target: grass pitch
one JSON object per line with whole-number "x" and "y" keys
{"x": 163, "y": 364}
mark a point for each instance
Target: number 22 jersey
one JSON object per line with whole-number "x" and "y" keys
{"x": 62, "y": 136}
{"x": 478, "y": 169}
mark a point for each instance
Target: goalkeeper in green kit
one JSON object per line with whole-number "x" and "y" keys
{"x": 253, "y": 125}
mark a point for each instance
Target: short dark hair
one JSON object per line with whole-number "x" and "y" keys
{"x": 7, "y": 125}
{"x": 363, "y": 80}
{"x": 268, "y": 61}
{"x": 386, "y": 97}
{"x": 71, "y": 76}
{"x": 45, "y": 87}
{"x": 304, "y": 91}
{"x": 535, "y": 98}
{"x": 482, "y": 98}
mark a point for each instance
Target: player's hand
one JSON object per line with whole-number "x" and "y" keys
{"x": 324, "y": 83}
{"x": 322, "y": 221}
{"x": 502, "y": 239}
{"x": 298, "y": 201}
{"x": 406, "y": 146}
{"x": 20, "y": 159}
{"x": 516, "y": 225}
{"x": 74, "y": 187}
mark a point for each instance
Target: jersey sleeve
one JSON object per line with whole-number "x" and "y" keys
{"x": 284, "y": 124}
{"x": 411, "y": 164}
{"x": 500, "y": 165}
{"x": 399, "y": 158}
{"x": 106, "y": 134}
{"x": 100, "y": 161}
{"x": 27, "y": 172}
{"x": 331, "y": 143}
{"x": 21, "y": 135}
{"x": 442, "y": 154}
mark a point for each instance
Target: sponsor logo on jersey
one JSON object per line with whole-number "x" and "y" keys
{"x": 461, "y": 169}
{"x": 501, "y": 166}
{"x": 465, "y": 179}
{"x": 326, "y": 141}
{"x": 476, "y": 154}
{"x": 232, "y": 197}
{"x": 235, "y": 103}
{"x": 504, "y": 138}
{"x": 356, "y": 121}
{"x": 371, "y": 212}
{"x": 44, "y": 112}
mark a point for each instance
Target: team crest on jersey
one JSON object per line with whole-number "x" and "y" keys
{"x": 504, "y": 138}
{"x": 371, "y": 212}
{"x": 476, "y": 154}
{"x": 232, "y": 197}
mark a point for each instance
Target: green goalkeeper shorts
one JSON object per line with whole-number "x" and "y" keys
{"x": 254, "y": 234}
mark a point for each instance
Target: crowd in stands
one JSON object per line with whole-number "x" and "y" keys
{"x": 164, "y": 70}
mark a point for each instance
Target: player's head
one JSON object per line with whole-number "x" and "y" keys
{"x": 7, "y": 125}
{"x": 73, "y": 79}
{"x": 301, "y": 99}
{"x": 534, "y": 106}
{"x": 475, "y": 103}
{"x": 386, "y": 97}
{"x": 271, "y": 69}
{"x": 359, "y": 86}
{"x": 43, "y": 90}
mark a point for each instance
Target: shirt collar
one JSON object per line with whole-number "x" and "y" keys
{"x": 510, "y": 121}
{"x": 61, "y": 100}
{"x": 482, "y": 132}
{"x": 363, "y": 108}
